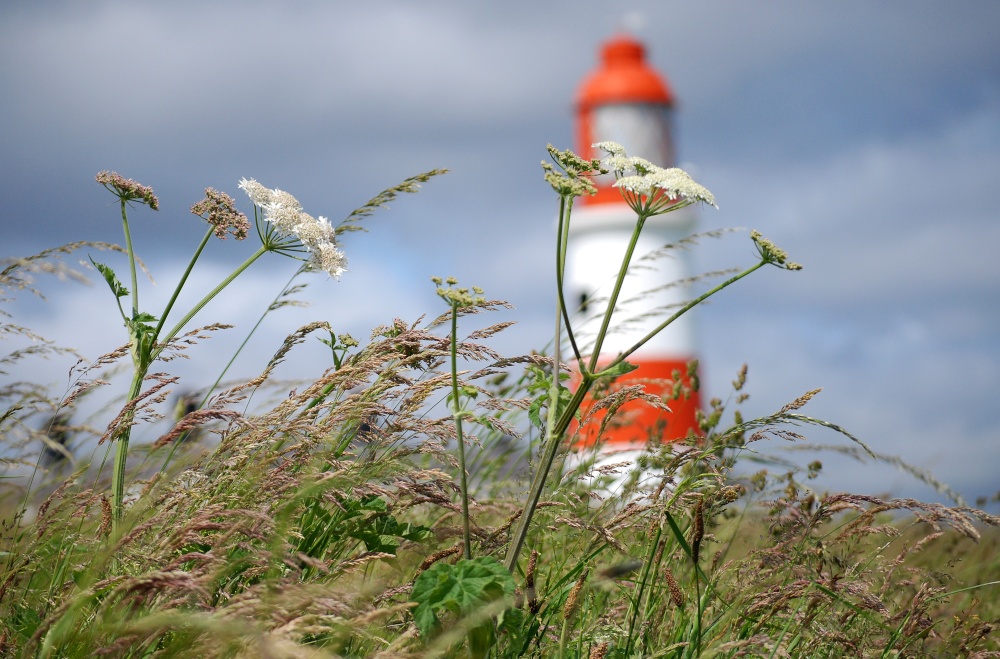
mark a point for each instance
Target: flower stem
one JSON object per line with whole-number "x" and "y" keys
{"x": 553, "y": 438}
{"x": 565, "y": 210}
{"x": 141, "y": 366}
{"x": 121, "y": 453}
{"x": 183, "y": 280}
{"x": 457, "y": 413}
{"x": 161, "y": 344}
{"x": 680, "y": 312}
{"x": 131, "y": 260}
{"x": 622, "y": 272}
{"x": 552, "y": 444}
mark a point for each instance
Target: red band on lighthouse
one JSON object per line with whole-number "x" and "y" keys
{"x": 625, "y": 101}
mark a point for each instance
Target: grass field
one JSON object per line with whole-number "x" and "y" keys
{"x": 372, "y": 511}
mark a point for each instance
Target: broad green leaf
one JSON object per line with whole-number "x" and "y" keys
{"x": 460, "y": 589}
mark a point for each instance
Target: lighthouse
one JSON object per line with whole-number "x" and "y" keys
{"x": 626, "y": 101}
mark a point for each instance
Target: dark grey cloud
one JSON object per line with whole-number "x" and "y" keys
{"x": 862, "y": 137}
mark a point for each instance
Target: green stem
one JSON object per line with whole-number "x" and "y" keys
{"x": 121, "y": 454}
{"x": 553, "y": 440}
{"x": 457, "y": 413}
{"x": 700, "y": 611}
{"x": 552, "y": 443}
{"x": 622, "y": 272}
{"x": 184, "y": 277}
{"x": 565, "y": 210}
{"x": 131, "y": 261}
{"x": 683, "y": 310}
{"x": 141, "y": 366}
{"x": 205, "y": 300}
{"x": 563, "y": 637}
{"x": 553, "y": 435}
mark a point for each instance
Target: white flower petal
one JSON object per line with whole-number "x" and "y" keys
{"x": 612, "y": 148}
{"x": 258, "y": 193}
{"x": 328, "y": 258}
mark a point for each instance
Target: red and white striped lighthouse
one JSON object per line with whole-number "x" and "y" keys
{"x": 625, "y": 101}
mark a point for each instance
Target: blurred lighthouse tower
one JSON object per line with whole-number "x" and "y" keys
{"x": 625, "y": 101}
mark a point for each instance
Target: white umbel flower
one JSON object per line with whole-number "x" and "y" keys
{"x": 329, "y": 259}
{"x": 638, "y": 178}
{"x": 313, "y": 232}
{"x": 675, "y": 183}
{"x": 284, "y": 213}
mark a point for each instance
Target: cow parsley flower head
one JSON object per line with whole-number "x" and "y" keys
{"x": 649, "y": 189}
{"x": 570, "y": 176}
{"x": 673, "y": 183}
{"x": 611, "y": 148}
{"x": 284, "y": 227}
{"x": 620, "y": 165}
{"x": 771, "y": 253}
{"x": 459, "y": 297}
{"x": 284, "y": 199}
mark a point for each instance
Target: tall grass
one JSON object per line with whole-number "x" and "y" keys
{"x": 356, "y": 516}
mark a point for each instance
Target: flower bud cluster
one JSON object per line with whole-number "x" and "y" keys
{"x": 572, "y": 180}
{"x": 458, "y": 297}
{"x": 771, "y": 253}
{"x": 284, "y": 212}
{"x": 219, "y": 210}
{"x": 128, "y": 190}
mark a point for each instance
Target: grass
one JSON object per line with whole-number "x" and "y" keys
{"x": 341, "y": 519}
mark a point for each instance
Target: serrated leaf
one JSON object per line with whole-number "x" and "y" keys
{"x": 535, "y": 410}
{"x": 461, "y": 589}
{"x": 109, "y": 276}
{"x": 382, "y": 533}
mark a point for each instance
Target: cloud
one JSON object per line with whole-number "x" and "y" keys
{"x": 861, "y": 138}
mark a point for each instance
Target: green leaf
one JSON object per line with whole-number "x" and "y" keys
{"x": 383, "y": 532}
{"x": 365, "y": 519}
{"x": 373, "y": 502}
{"x": 142, "y": 331}
{"x": 520, "y": 629}
{"x": 621, "y": 368}
{"x": 109, "y": 276}
{"x": 459, "y": 589}
{"x": 534, "y": 410}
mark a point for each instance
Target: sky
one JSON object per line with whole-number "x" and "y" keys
{"x": 864, "y": 138}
